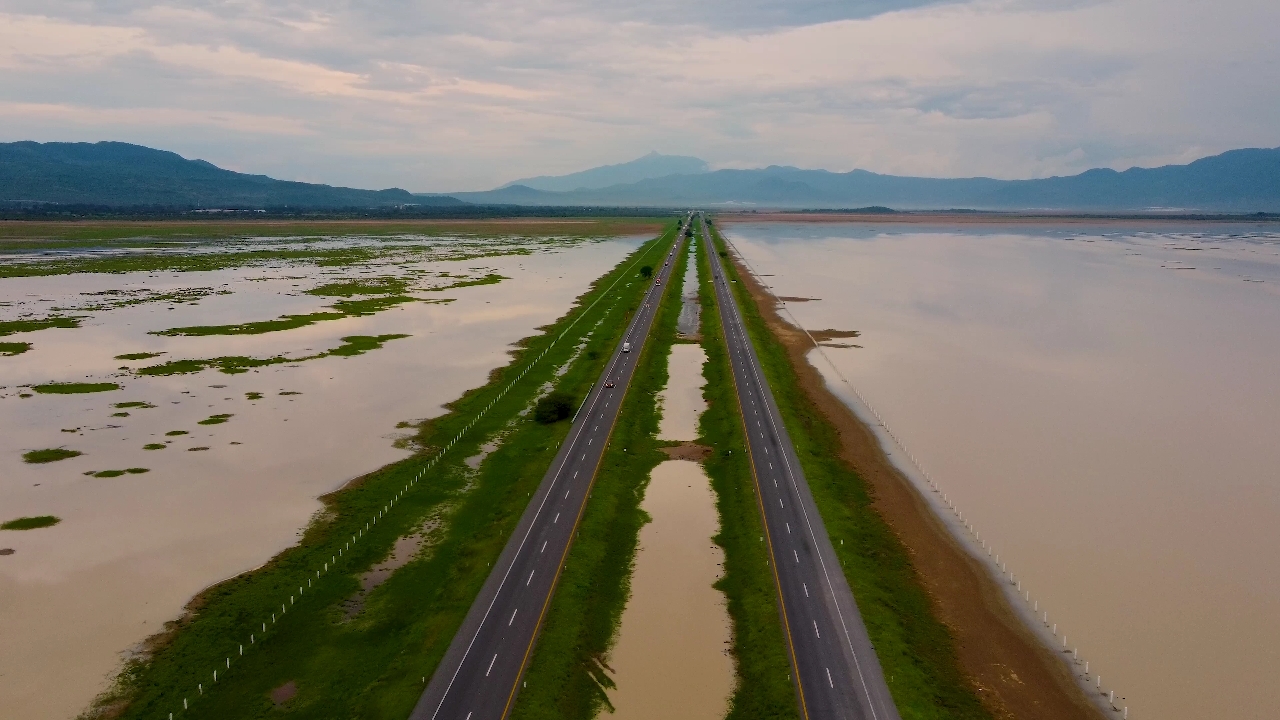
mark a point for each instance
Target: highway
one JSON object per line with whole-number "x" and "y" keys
{"x": 834, "y": 666}
{"x": 480, "y": 674}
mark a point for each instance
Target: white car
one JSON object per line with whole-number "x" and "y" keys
{"x": 626, "y": 347}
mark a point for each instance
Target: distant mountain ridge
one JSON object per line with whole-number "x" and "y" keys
{"x": 649, "y": 166}
{"x": 121, "y": 174}
{"x": 1246, "y": 180}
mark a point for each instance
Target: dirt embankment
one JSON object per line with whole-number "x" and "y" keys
{"x": 1014, "y": 674}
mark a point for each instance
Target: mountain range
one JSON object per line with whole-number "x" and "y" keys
{"x": 123, "y": 175}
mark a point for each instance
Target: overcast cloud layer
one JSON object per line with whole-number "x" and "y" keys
{"x": 437, "y": 96}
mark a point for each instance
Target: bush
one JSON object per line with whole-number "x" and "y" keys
{"x": 556, "y": 406}
{"x": 646, "y": 271}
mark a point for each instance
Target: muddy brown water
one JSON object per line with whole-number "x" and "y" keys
{"x": 131, "y": 551}
{"x": 671, "y": 659}
{"x": 1101, "y": 412}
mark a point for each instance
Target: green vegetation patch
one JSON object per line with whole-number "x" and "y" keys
{"x": 284, "y": 322}
{"x": 9, "y": 349}
{"x": 49, "y": 455}
{"x": 553, "y": 407}
{"x": 216, "y": 419}
{"x": 139, "y": 356}
{"x": 172, "y": 433}
{"x": 118, "y": 473}
{"x": 253, "y": 396}
{"x": 371, "y": 665}
{"x": 364, "y": 286}
{"x": 154, "y": 446}
{"x": 9, "y": 327}
{"x": 490, "y": 279}
{"x": 133, "y": 404}
{"x": 72, "y": 388}
{"x": 916, "y": 651}
{"x": 30, "y": 523}
{"x": 359, "y": 344}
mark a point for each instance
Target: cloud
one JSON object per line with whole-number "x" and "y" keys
{"x": 466, "y": 95}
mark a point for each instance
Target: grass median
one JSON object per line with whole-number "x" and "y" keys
{"x": 334, "y": 650}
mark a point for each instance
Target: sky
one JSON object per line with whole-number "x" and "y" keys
{"x": 467, "y": 95}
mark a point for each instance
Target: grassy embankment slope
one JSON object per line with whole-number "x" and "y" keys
{"x": 566, "y": 676}
{"x": 371, "y": 663}
{"x": 915, "y": 649}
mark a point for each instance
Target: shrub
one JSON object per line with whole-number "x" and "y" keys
{"x": 554, "y": 407}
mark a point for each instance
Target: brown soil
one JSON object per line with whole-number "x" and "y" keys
{"x": 284, "y": 693}
{"x": 688, "y": 451}
{"x": 1013, "y": 674}
{"x": 825, "y": 335}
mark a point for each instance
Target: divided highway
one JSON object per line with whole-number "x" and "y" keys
{"x": 480, "y": 674}
{"x": 835, "y": 669}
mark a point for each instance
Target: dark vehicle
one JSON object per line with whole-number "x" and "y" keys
{"x": 608, "y": 383}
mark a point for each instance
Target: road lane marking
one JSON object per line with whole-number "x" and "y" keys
{"x": 513, "y": 617}
{"x": 784, "y": 507}
{"x": 815, "y": 630}
{"x": 575, "y": 473}
{"x": 486, "y": 672}
{"x": 832, "y": 684}
{"x": 793, "y": 552}
{"x": 788, "y": 528}
{"x": 544, "y": 546}
{"x": 526, "y": 582}
{"x": 553, "y": 522}
{"x": 806, "y": 591}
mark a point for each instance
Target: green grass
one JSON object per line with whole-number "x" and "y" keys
{"x": 371, "y": 666}
{"x": 30, "y": 523}
{"x": 215, "y": 419}
{"x": 235, "y": 364}
{"x": 154, "y": 446}
{"x": 365, "y": 286}
{"x": 9, "y": 349}
{"x": 565, "y": 678}
{"x": 9, "y": 327}
{"x": 172, "y": 433}
{"x": 284, "y": 322}
{"x": 117, "y": 473}
{"x": 490, "y": 279}
{"x": 139, "y": 356}
{"x": 133, "y": 404}
{"x": 915, "y": 649}
{"x": 71, "y": 388}
{"x": 49, "y": 455}
{"x": 253, "y": 396}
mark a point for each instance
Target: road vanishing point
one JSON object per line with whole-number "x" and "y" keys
{"x": 480, "y": 674}
{"x": 833, "y": 664}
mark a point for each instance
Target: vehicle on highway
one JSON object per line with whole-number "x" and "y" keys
{"x": 626, "y": 347}
{"x": 609, "y": 384}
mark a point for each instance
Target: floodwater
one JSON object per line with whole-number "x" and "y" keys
{"x": 672, "y": 658}
{"x": 690, "y": 308}
{"x": 1102, "y": 405}
{"x": 224, "y": 498}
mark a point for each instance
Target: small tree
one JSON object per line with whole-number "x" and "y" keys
{"x": 553, "y": 407}
{"x": 646, "y": 271}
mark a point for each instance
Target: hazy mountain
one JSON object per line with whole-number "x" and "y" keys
{"x": 120, "y": 174}
{"x": 652, "y": 165}
{"x": 1236, "y": 181}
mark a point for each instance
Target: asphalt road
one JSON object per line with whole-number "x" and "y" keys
{"x": 480, "y": 674}
{"x": 834, "y": 666}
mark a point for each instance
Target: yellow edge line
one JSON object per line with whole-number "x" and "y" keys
{"x": 537, "y": 629}
{"x": 764, "y": 521}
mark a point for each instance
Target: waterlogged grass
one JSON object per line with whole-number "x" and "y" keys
{"x": 490, "y": 279}
{"x": 566, "y": 678}
{"x": 30, "y": 523}
{"x": 71, "y": 388}
{"x": 9, "y": 327}
{"x": 215, "y": 419}
{"x": 49, "y": 455}
{"x": 235, "y": 364}
{"x": 9, "y": 349}
{"x": 154, "y": 446}
{"x": 386, "y": 285}
{"x": 342, "y": 309}
{"x": 253, "y": 396}
{"x": 140, "y": 404}
{"x": 173, "y": 433}
{"x": 372, "y": 666}
{"x": 139, "y": 356}
{"x": 117, "y": 473}
{"x": 915, "y": 649}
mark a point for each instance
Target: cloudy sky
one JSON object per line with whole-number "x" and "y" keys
{"x": 462, "y": 95}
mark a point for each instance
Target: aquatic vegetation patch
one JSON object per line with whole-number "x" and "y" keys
{"x": 154, "y": 446}
{"x": 196, "y": 449}
{"x": 288, "y": 392}
{"x": 117, "y": 473}
{"x": 120, "y": 414}
{"x": 351, "y": 345}
{"x": 490, "y": 279}
{"x": 284, "y": 322}
{"x": 172, "y": 433}
{"x": 9, "y": 349}
{"x": 133, "y": 404}
{"x": 9, "y": 327}
{"x": 73, "y": 388}
{"x": 216, "y": 419}
{"x": 30, "y": 523}
{"x": 49, "y": 455}
{"x": 386, "y": 285}
{"x": 139, "y": 356}
{"x": 253, "y": 396}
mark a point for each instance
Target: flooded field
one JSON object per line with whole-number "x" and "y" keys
{"x": 1101, "y": 403}
{"x": 177, "y": 423}
{"x": 671, "y": 659}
